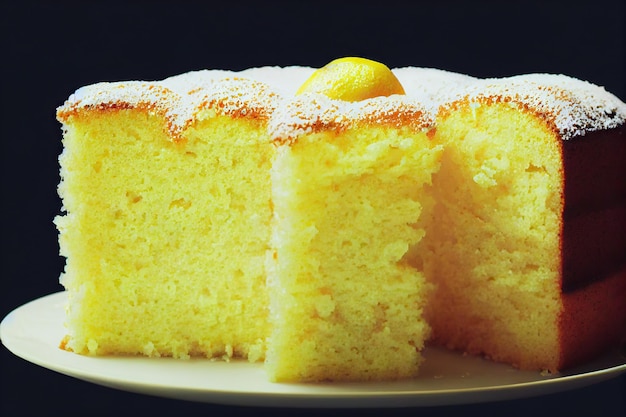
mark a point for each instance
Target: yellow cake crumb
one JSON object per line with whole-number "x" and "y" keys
{"x": 345, "y": 303}
{"x": 165, "y": 256}
{"x": 496, "y": 236}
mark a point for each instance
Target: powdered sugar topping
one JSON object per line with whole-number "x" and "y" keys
{"x": 309, "y": 112}
{"x": 572, "y": 106}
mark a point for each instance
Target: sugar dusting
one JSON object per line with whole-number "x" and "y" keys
{"x": 572, "y": 106}
{"x": 310, "y": 112}
{"x": 178, "y": 99}
{"x": 432, "y": 85}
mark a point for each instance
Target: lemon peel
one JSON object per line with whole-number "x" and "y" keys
{"x": 352, "y": 79}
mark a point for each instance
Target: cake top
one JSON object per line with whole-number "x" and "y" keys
{"x": 572, "y": 106}
{"x": 313, "y": 112}
{"x": 347, "y": 92}
{"x": 432, "y": 85}
{"x": 178, "y": 99}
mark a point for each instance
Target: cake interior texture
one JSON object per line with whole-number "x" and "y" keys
{"x": 335, "y": 244}
{"x": 345, "y": 302}
{"x": 494, "y": 244}
{"x": 165, "y": 240}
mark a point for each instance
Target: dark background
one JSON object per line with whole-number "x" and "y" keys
{"x": 51, "y": 48}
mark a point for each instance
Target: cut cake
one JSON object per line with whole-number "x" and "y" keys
{"x": 216, "y": 214}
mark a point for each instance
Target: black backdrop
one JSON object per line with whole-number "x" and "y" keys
{"x": 51, "y": 48}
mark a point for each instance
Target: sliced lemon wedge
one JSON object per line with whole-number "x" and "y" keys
{"x": 352, "y": 79}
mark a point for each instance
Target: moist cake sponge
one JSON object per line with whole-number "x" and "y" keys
{"x": 350, "y": 203}
{"x": 509, "y": 204}
{"x": 496, "y": 236}
{"x": 215, "y": 214}
{"x": 167, "y": 218}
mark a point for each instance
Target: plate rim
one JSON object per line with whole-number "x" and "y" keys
{"x": 341, "y": 398}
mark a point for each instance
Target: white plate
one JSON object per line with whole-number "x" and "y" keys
{"x": 33, "y": 332}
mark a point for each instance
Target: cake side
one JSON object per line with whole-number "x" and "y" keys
{"x": 593, "y": 248}
{"x": 593, "y": 319}
{"x": 594, "y": 242}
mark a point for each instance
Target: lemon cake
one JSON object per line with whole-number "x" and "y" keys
{"x": 332, "y": 222}
{"x": 166, "y": 187}
{"x": 528, "y": 250}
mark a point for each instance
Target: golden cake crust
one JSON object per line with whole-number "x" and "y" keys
{"x": 179, "y": 103}
{"x": 572, "y": 107}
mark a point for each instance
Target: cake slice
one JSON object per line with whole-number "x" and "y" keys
{"x": 166, "y": 189}
{"x": 350, "y": 203}
{"x": 528, "y": 243}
